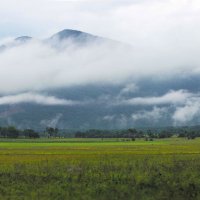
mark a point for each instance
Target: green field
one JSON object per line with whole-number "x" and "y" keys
{"x": 90, "y": 169}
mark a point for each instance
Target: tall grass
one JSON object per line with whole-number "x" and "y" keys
{"x": 164, "y": 169}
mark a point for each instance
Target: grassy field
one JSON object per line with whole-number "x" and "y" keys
{"x": 90, "y": 169}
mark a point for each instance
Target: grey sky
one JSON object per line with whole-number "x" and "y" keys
{"x": 163, "y": 21}
{"x": 164, "y": 34}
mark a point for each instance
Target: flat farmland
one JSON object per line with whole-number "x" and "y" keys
{"x": 99, "y": 169}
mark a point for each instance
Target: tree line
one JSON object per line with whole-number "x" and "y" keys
{"x": 13, "y": 132}
{"x": 131, "y": 133}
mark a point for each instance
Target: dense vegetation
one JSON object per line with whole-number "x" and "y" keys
{"x": 132, "y": 133}
{"x": 80, "y": 169}
{"x": 12, "y": 132}
{"x": 189, "y": 132}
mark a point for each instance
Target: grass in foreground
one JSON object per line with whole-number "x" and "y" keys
{"x": 95, "y": 169}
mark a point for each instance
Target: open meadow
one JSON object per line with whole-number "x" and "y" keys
{"x": 90, "y": 169}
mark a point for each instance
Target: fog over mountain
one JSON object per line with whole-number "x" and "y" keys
{"x": 78, "y": 80}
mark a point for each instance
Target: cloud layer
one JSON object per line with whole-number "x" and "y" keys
{"x": 172, "y": 97}
{"x": 36, "y": 99}
{"x": 182, "y": 106}
{"x": 39, "y": 66}
{"x": 165, "y": 44}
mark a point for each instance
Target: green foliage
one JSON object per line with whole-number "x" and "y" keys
{"x": 91, "y": 169}
{"x": 30, "y": 133}
{"x": 130, "y": 134}
{"x": 10, "y": 132}
{"x": 52, "y": 132}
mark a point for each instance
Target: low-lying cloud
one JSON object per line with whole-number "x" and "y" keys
{"x": 36, "y": 99}
{"x": 153, "y": 115}
{"x": 51, "y": 122}
{"x": 37, "y": 66}
{"x": 181, "y": 106}
{"x": 189, "y": 111}
{"x": 172, "y": 97}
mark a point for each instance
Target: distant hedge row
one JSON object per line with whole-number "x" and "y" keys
{"x": 12, "y": 132}
{"x": 132, "y": 133}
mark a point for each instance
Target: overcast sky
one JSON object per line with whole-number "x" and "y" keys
{"x": 165, "y": 35}
{"x": 157, "y": 22}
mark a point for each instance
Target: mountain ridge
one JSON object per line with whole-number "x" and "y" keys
{"x": 102, "y": 108}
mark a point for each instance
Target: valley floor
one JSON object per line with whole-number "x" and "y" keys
{"x": 89, "y": 169}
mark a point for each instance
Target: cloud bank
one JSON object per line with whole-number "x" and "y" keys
{"x": 153, "y": 115}
{"x": 165, "y": 44}
{"x": 172, "y": 97}
{"x": 181, "y": 106}
{"x": 39, "y": 66}
{"x": 35, "y": 98}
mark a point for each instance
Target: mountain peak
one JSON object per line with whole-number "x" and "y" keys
{"x": 70, "y": 32}
{"x": 23, "y": 39}
{"x": 76, "y": 35}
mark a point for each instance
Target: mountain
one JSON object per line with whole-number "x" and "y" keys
{"x": 76, "y": 36}
{"x": 60, "y": 39}
{"x": 134, "y": 102}
{"x": 23, "y": 39}
{"x": 16, "y": 42}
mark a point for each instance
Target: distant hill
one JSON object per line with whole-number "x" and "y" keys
{"x": 102, "y": 108}
{"x": 76, "y": 36}
{"x": 23, "y": 39}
